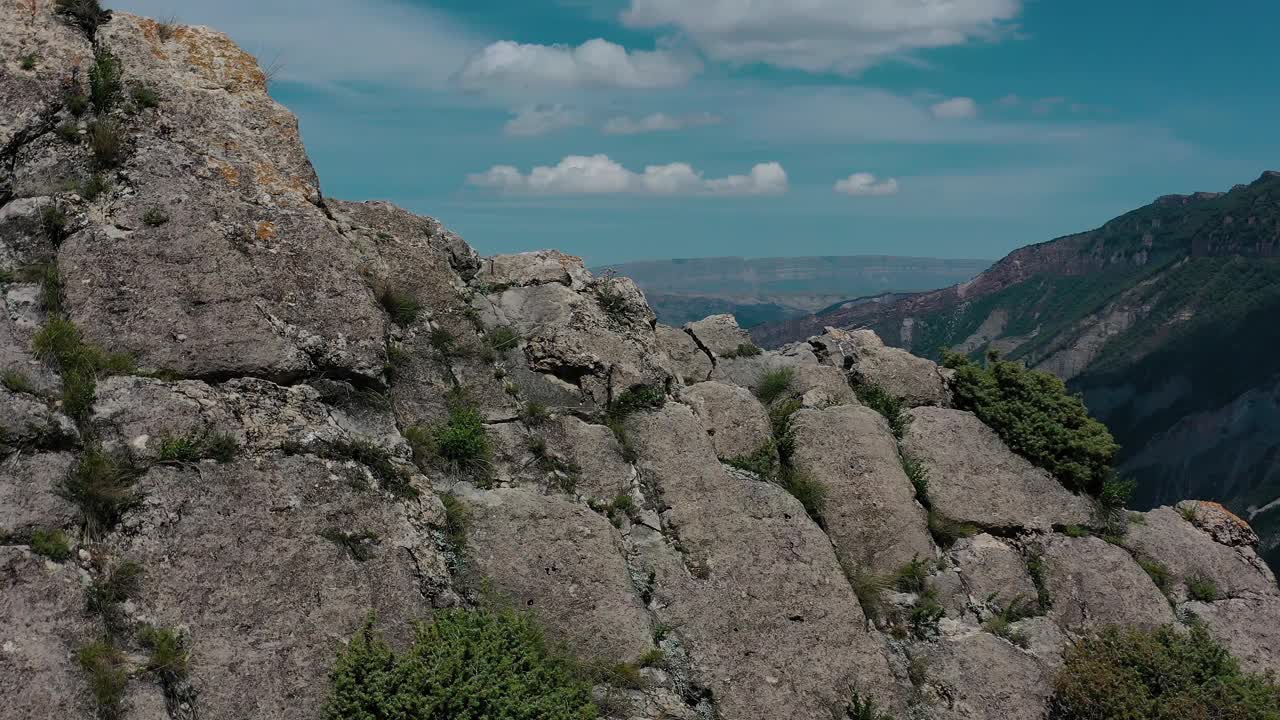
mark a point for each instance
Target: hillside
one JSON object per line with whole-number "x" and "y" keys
{"x": 1160, "y": 317}
{"x": 760, "y": 290}
{"x": 270, "y": 454}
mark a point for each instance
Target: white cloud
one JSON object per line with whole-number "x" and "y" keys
{"x": 866, "y": 185}
{"x": 508, "y": 65}
{"x": 845, "y": 36}
{"x": 1010, "y": 100}
{"x": 955, "y": 108}
{"x": 598, "y": 174}
{"x": 333, "y": 41}
{"x": 1044, "y": 106}
{"x": 542, "y": 119}
{"x": 658, "y": 122}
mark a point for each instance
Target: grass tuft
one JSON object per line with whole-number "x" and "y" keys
{"x": 101, "y": 487}
{"x": 168, "y": 657}
{"x": 359, "y": 545}
{"x": 103, "y": 662}
{"x": 17, "y": 381}
{"x": 946, "y": 531}
{"x": 155, "y": 217}
{"x": 773, "y": 384}
{"x": 400, "y": 305}
{"x": 52, "y": 544}
{"x": 1201, "y": 587}
{"x": 888, "y": 405}
{"x": 196, "y": 446}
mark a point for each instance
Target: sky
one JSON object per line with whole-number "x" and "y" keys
{"x": 646, "y": 129}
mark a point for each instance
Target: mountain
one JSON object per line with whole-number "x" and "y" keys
{"x": 266, "y": 453}
{"x": 1163, "y": 318}
{"x": 762, "y": 290}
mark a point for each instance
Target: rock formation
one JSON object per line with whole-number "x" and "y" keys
{"x": 237, "y": 438}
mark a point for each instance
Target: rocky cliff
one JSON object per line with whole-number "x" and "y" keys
{"x": 238, "y": 417}
{"x": 1161, "y": 318}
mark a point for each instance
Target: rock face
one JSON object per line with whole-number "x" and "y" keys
{"x": 330, "y": 410}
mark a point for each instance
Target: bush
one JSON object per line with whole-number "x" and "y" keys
{"x": 862, "y": 707}
{"x": 105, "y": 666}
{"x": 29, "y": 61}
{"x": 1156, "y": 570}
{"x": 613, "y": 302}
{"x": 101, "y": 487}
{"x": 463, "y": 664}
{"x": 461, "y": 443}
{"x": 773, "y": 384}
{"x": 810, "y": 491}
{"x": 946, "y": 531}
{"x": 104, "y": 81}
{"x": 95, "y": 187}
{"x": 457, "y": 521}
{"x": 868, "y": 585}
{"x": 918, "y": 474}
{"x": 401, "y": 306}
{"x": 84, "y": 14}
{"x": 913, "y": 576}
{"x": 194, "y": 447}
{"x": 1038, "y": 418}
{"x": 503, "y": 338}
{"x": 744, "y": 350}
{"x": 75, "y": 101}
{"x": 1159, "y": 674}
{"x": 534, "y": 414}
{"x": 111, "y": 589}
{"x": 60, "y": 343}
{"x": 890, "y": 406}
{"x": 636, "y": 398}
{"x": 145, "y": 97}
{"x": 107, "y": 143}
{"x": 763, "y": 461}
{"x": 168, "y": 658}
{"x": 52, "y": 544}
{"x": 373, "y": 456}
{"x": 1201, "y": 587}
{"x": 54, "y": 220}
{"x": 155, "y": 217}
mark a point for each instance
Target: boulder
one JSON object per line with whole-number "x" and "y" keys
{"x": 689, "y": 361}
{"x": 1248, "y": 627}
{"x": 533, "y": 268}
{"x": 1189, "y": 551}
{"x": 870, "y": 510}
{"x": 979, "y": 676}
{"x": 719, "y": 335}
{"x": 993, "y": 574}
{"x": 28, "y": 499}
{"x": 974, "y": 477}
{"x": 562, "y": 562}
{"x": 867, "y": 360}
{"x": 733, "y": 418}
{"x": 1093, "y": 584}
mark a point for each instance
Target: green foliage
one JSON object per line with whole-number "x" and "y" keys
{"x": 95, "y": 187}
{"x": 442, "y": 341}
{"x": 744, "y": 350}
{"x": 503, "y": 338}
{"x": 868, "y": 585}
{"x": 654, "y": 657}
{"x": 359, "y": 545}
{"x": 400, "y": 305}
{"x": 780, "y": 414}
{"x": 84, "y": 14}
{"x": 862, "y": 707}
{"x": 110, "y": 589}
{"x": 53, "y": 220}
{"x": 460, "y": 444}
{"x": 614, "y": 303}
{"x": 367, "y": 453}
{"x": 50, "y": 281}
{"x": 60, "y": 343}
{"x": 1189, "y": 511}
{"x": 763, "y": 461}
{"x": 28, "y": 61}
{"x": 155, "y": 217}
{"x": 888, "y": 405}
{"x": 1036, "y": 569}
{"x": 1076, "y": 531}
{"x": 145, "y": 97}
{"x": 104, "y": 81}
{"x": 463, "y": 664}
{"x": 623, "y": 506}
{"x": 1112, "y": 518}
{"x": 1160, "y": 674}
{"x": 810, "y": 491}
{"x": 52, "y": 544}
{"x": 918, "y": 474}
{"x": 101, "y": 487}
{"x": 926, "y": 614}
{"x": 1156, "y": 570}
{"x": 946, "y": 531}
{"x": 1001, "y": 623}
{"x": 17, "y": 381}
{"x": 457, "y": 520}
{"x": 103, "y": 662}
{"x": 106, "y": 143}
{"x": 773, "y": 384}
{"x": 69, "y": 131}
{"x": 1036, "y": 416}
{"x": 635, "y": 399}
{"x": 1201, "y": 587}
{"x": 168, "y": 658}
{"x": 534, "y": 414}
{"x": 75, "y": 101}
{"x": 196, "y": 446}
{"x": 913, "y": 576}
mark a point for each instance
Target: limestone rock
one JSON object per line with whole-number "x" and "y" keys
{"x": 993, "y": 574}
{"x": 27, "y": 493}
{"x": 1189, "y": 551}
{"x": 870, "y": 510}
{"x": 734, "y": 419}
{"x": 1248, "y": 627}
{"x": 534, "y": 268}
{"x": 981, "y": 677}
{"x": 719, "y": 334}
{"x": 974, "y": 477}
{"x": 868, "y": 360}
{"x": 562, "y": 562}
{"x": 690, "y": 362}
{"x": 1093, "y": 584}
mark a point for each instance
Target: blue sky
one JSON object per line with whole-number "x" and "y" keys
{"x": 637, "y": 129}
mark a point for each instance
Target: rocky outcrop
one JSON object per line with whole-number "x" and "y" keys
{"x": 332, "y": 410}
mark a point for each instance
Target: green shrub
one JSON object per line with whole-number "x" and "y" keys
{"x": 780, "y": 415}
{"x": 104, "y": 81}
{"x": 110, "y": 589}
{"x": 926, "y": 614}
{"x": 155, "y": 217}
{"x": 145, "y": 97}
{"x": 75, "y": 101}
{"x": 1038, "y": 418}
{"x": 196, "y": 446}
{"x": 810, "y": 491}
{"x": 762, "y": 462}
{"x": 653, "y": 657}
{"x": 95, "y": 187}
{"x": 46, "y": 274}
{"x": 1036, "y": 569}
{"x": 457, "y": 521}
{"x": 612, "y": 301}
{"x": 1001, "y": 623}
{"x": 60, "y": 343}
{"x": 69, "y": 131}
{"x": 946, "y": 531}
{"x": 17, "y": 381}
{"x": 918, "y": 474}
{"x": 636, "y": 398}
{"x": 1159, "y": 674}
{"x": 1202, "y": 587}
{"x": 84, "y": 14}
{"x": 1189, "y": 511}
{"x": 401, "y": 306}
{"x": 868, "y": 585}
{"x": 463, "y": 664}
{"x": 442, "y": 341}
{"x": 503, "y": 338}
{"x": 1156, "y": 570}
{"x": 888, "y": 405}
{"x": 52, "y": 544}
{"x": 168, "y": 657}
{"x": 773, "y": 384}
{"x": 356, "y": 544}
{"x": 376, "y": 458}
{"x": 28, "y": 61}
{"x": 534, "y": 414}
{"x": 461, "y": 444}
{"x": 101, "y": 487}
{"x": 744, "y": 350}
{"x": 103, "y": 662}
{"x": 913, "y": 576}
{"x": 1076, "y": 531}
{"x": 106, "y": 143}
{"x": 54, "y": 220}
{"x": 862, "y": 707}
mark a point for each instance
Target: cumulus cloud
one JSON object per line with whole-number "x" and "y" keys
{"x": 593, "y": 64}
{"x": 845, "y": 36}
{"x": 955, "y": 108}
{"x": 600, "y": 175}
{"x": 542, "y": 119}
{"x": 866, "y": 185}
{"x": 658, "y": 122}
